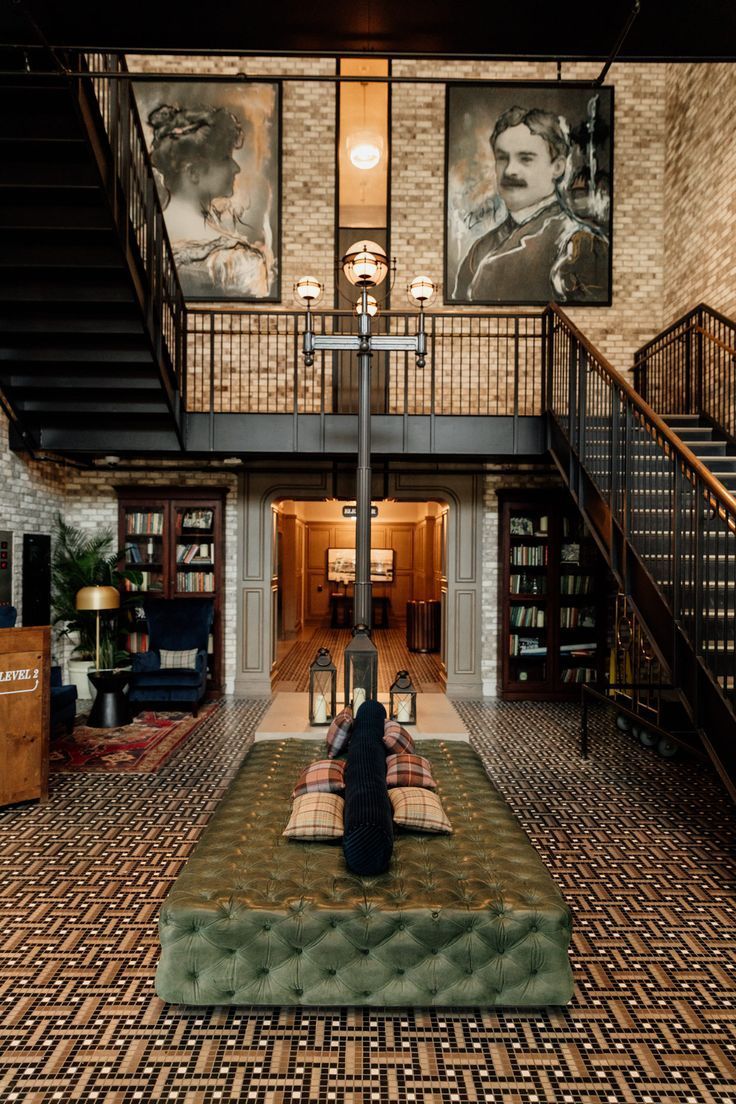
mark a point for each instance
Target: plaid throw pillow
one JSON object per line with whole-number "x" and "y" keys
{"x": 316, "y": 816}
{"x": 324, "y": 776}
{"x": 338, "y": 734}
{"x": 419, "y": 809}
{"x": 396, "y": 738}
{"x": 178, "y": 659}
{"x": 405, "y": 769}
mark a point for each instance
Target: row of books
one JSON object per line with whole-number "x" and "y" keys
{"x": 575, "y": 584}
{"x": 532, "y": 554}
{"x": 578, "y": 674}
{"x": 529, "y": 617}
{"x": 195, "y": 582}
{"x": 526, "y": 646}
{"x": 185, "y": 553}
{"x": 141, "y": 522}
{"x": 136, "y": 642}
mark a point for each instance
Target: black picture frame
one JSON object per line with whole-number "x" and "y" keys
{"x": 233, "y": 253}
{"x": 562, "y": 250}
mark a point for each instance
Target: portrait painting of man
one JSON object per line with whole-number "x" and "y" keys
{"x": 528, "y": 190}
{"x": 215, "y": 152}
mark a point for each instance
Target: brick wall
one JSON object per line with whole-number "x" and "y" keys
{"x": 699, "y": 189}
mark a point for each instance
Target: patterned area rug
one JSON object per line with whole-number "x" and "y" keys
{"x": 642, "y": 848}
{"x": 141, "y": 746}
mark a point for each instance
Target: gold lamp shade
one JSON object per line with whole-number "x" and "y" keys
{"x": 97, "y": 598}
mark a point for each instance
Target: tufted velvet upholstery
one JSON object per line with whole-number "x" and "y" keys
{"x": 468, "y": 919}
{"x": 369, "y": 836}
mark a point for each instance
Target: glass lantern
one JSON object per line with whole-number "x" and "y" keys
{"x": 402, "y": 700}
{"x": 322, "y": 689}
{"x": 361, "y": 669}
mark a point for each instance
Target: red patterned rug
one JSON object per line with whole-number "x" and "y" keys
{"x": 141, "y": 746}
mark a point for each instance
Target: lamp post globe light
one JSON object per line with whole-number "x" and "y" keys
{"x": 365, "y": 265}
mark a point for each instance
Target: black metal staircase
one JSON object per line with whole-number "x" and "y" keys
{"x": 89, "y": 300}
{"x": 664, "y": 521}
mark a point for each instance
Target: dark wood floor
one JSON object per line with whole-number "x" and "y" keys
{"x": 295, "y": 656}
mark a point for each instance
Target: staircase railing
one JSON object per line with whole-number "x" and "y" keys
{"x": 136, "y": 206}
{"x": 476, "y": 364}
{"x": 690, "y": 368}
{"x": 647, "y": 493}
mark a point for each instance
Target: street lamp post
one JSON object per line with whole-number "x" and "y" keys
{"x": 365, "y": 266}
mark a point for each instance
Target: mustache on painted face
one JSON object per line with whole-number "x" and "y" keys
{"x": 512, "y": 182}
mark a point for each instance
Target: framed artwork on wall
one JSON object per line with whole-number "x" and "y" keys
{"x": 528, "y": 193}
{"x": 216, "y": 153}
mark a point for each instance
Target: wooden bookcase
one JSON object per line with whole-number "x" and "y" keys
{"x": 553, "y": 596}
{"x": 175, "y": 536}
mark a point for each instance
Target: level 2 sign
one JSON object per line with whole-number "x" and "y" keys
{"x": 16, "y": 676}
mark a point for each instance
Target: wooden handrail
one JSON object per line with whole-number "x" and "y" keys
{"x": 716, "y": 488}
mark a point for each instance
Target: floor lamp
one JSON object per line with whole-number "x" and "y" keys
{"x": 97, "y": 598}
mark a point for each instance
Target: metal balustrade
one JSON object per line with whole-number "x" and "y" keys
{"x": 636, "y": 478}
{"x": 476, "y": 364}
{"x": 690, "y": 368}
{"x": 136, "y": 208}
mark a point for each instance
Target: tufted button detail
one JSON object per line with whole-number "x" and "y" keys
{"x": 265, "y": 970}
{"x": 468, "y": 969}
{"x": 298, "y": 992}
{"x": 366, "y": 992}
{"x": 435, "y": 951}
{"x": 297, "y": 950}
{"x": 333, "y": 923}
{"x": 332, "y": 971}
{"x": 266, "y": 927}
{"x": 534, "y": 928}
{"x": 400, "y": 970}
{"x": 401, "y": 925}
{"x": 365, "y": 950}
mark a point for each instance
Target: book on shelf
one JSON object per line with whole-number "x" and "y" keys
{"x": 579, "y": 649}
{"x": 198, "y": 552}
{"x": 195, "y": 582}
{"x": 575, "y": 584}
{"x": 528, "y": 617}
{"x": 133, "y": 553}
{"x": 577, "y": 617}
{"x": 146, "y": 522}
{"x": 578, "y": 674}
{"x": 533, "y": 555}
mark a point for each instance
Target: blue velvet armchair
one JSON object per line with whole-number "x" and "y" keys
{"x": 158, "y": 680}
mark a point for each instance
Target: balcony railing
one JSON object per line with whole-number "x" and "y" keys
{"x": 476, "y": 364}
{"x": 690, "y": 368}
{"x": 137, "y": 210}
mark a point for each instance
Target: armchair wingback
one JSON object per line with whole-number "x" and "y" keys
{"x": 165, "y": 677}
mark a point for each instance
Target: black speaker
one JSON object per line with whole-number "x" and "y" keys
{"x": 36, "y": 579}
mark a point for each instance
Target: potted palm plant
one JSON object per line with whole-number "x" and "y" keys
{"x": 82, "y": 559}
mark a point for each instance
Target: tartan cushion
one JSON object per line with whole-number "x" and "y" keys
{"x": 396, "y": 738}
{"x": 324, "y": 776}
{"x": 316, "y": 816}
{"x": 338, "y": 734}
{"x": 171, "y": 658}
{"x": 405, "y": 769}
{"x": 419, "y": 809}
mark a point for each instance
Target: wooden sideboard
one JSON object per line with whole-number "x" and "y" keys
{"x": 24, "y": 714}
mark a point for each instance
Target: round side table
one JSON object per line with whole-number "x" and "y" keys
{"x": 110, "y": 708}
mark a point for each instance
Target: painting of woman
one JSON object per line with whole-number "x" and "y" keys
{"x": 223, "y": 228}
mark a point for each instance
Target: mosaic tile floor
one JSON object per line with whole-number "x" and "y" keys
{"x": 642, "y": 848}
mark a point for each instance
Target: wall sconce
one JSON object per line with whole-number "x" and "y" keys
{"x": 322, "y": 689}
{"x": 402, "y": 699}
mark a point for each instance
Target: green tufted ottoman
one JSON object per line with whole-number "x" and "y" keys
{"x": 468, "y": 919}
